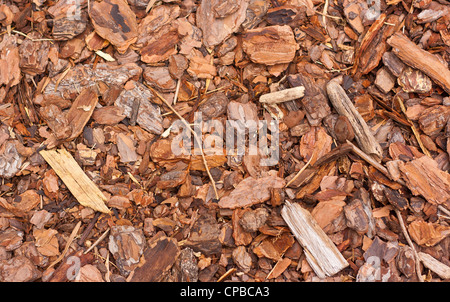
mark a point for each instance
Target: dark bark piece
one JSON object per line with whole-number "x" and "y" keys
{"x": 159, "y": 258}
{"x": 204, "y": 236}
{"x": 393, "y": 63}
{"x": 286, "y": 14}
{"x": 256, "y": 11}
{"x": 416, "y": 57}
{"x": 214, "y": 106}
{"x": 114, "y": 21}
{"x": 343, "y": 130}
{"x": 357, "y": 218}
{"x": 395, "y": 198}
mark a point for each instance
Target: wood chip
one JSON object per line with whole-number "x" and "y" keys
{"x": 321, "y": 253}
{"x": 82, "y": 188}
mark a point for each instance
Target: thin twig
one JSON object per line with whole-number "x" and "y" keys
{"x": 227, "y": 273}
{"x": 28, "y": 37}
{"x": 205, "y": 163}
{"x": 410, "y": 243}
{"x": 69, "y": 242}
{"x": 324, "y": 15}
{"x": 299, "y": 172}
{"x": 175, "y": 98}
{"x": 97, "y": 241}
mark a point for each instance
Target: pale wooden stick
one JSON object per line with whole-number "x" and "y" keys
{"x": 283, "y": 95}
{"x": 176, "y": 91}
{"x": 410, "y": 243}
{"x": 344, "y": 106}
{"x": 321, "y": 253}
{"x": 435, "y": 265}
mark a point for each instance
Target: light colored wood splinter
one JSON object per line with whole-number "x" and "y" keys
{"x": 78, "y": 183}
{"x": 283, "y": 95}
{"x": 344, "y": 106}
{"x": 321, "y": 253}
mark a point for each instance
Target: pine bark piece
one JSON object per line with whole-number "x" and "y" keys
{"x": 159, "y": 257}
{"x": 34, "y": 54}
{"x": 314, "y": 101}
{"x": 321, "y": 253}
{"x": 81, "y": 111}
{"x": 251, "y": 191}
{"x": 433, "y": 119}
{"x": 10, "y": 159}
{"x": 218, "y": 19}
{"x": 82, "y": 188}
{"x": 9, "y": 66}
{"x": 108, "y": 115}
{"x": 413, "y": 80}
{"x": 114, "y": 21}
{"x": 435, "y": 266}
{"x": 283, "y": 95}
{"x": 68, "y": 19}
{"x": 270, "y": 45}
{"x": 157, "y": 50}
{"x": 148, "y": 115}
{"x": 344, "y": 106}
{"x": 414, "y": 56}
{"x": 423, "y": 177}
{"x": 87, "y": 76}
{"x": 427, "y": 234}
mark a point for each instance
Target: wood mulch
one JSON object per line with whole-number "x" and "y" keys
{"x": 91, "y": 188}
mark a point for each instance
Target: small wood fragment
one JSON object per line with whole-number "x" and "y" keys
{"x": 321, "y": 253}
{"x": 435, "y": 266}
{"x": 283, "y": 95}
{"x": 344, "y": 106}
{"x": 82, "y": 188}
{"x": 423, "y": 60}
